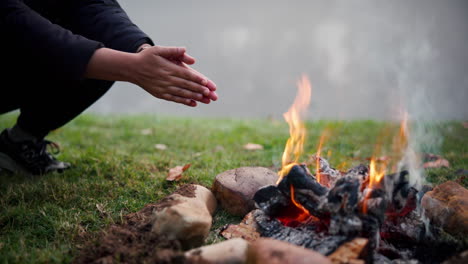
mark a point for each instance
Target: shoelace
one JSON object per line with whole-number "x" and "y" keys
{"x": 45, "y": 143}
{"x": 38, "y": 151}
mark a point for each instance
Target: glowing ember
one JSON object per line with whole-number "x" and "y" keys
{"x": 297, "y": 132}
{"x": 297, "y": 214}
{"x": 305, "y": 213}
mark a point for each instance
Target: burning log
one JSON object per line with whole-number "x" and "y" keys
{"x": 271, "y": 200}
{"x": 354, "y": 251}
{"x": 350, "y": 207}
{"x": 304, "y": 235}
{"x": 325, "y": 173}
{"x": 308, "y": 192}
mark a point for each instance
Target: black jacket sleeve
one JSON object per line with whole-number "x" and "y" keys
{"x": 43, "y": 46}
{"x": 107, "y": 22}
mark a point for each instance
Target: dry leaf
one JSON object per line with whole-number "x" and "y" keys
{"x": 465, "y": 124}
{"x": 437, "y": 164}
{"x": 176, "y": 173}
{"x": 253, "y": 146}
{"x": 146, "y": 131}
{"x": 246, "y": 229}
{"x": 101, "y": 209}
{"x": 435, "y": 161}
{"x": 160, "y": 146}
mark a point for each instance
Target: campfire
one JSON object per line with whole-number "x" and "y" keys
{"x": 322, "y": 208}
{"x": 369, "y": 213}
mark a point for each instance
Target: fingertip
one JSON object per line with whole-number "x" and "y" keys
{"x": 213, "y": 96}
{"x": 211, "y": 85}
{"x": 188, "y": 59}
{"x": 180, "y": 51}
{"x": 205, "y": 100}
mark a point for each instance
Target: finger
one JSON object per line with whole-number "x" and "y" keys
{"x": 181, "y": 92}
{"x": 213, "y": 96}
{"x": 177, "y": 99}
{"x": 169, "y": 52}
{"x": 210, "y": 84}
{"x": 184, "y": 73}
{"x": 192, "y": 86}
{"x": 188, "y": 59}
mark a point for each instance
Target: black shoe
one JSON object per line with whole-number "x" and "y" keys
{"x": 28, "y": 156}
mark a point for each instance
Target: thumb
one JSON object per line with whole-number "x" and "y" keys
{"x": 170, "y": 52}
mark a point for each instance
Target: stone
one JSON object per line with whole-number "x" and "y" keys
{"x": 235, "y": 188}
{"x": 233, "y": 251}
{"x": 271, "y": 251}
{"x": 187, "y": 216}
{"x": 447, "y": 206}
{"x": 461, "y": 258}
{"x": 350, "y": 252}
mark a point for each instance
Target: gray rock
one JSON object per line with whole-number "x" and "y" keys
{"x": 235, "y": 188}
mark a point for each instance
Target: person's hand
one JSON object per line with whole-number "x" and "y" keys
{"x": 164, "y": 73}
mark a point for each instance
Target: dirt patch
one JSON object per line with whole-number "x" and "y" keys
{"x": 132, "y": 240}
{"x": 187, "y": 190}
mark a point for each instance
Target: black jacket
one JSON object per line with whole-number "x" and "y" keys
{"x": 56, "y": 38}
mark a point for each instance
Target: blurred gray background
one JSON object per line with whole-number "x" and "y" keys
{"x": 366, "y": 59}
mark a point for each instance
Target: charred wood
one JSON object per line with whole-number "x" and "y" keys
{"x": 305, "y": 235}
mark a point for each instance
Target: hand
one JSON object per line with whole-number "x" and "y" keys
{"x": 163, "y": 72}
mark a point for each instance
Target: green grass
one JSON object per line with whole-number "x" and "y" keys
{"x": 45, "y": 219}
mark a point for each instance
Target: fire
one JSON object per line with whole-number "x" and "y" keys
{"x": 297, "y": 131}
{"x": 376, "y": 173}
{"x": 400, "y": 141}
{"x": 304, "y": 215}
{"x": 377, "y": 169}
{"x": 317, "y": 161}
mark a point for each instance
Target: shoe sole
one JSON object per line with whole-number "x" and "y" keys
{"x": 9, "y": 164}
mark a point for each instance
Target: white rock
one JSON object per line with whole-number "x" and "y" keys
{"x": 187, "y": 217}
{"x": 233, "y": 251}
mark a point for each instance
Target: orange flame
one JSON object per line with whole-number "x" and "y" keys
{"x": 400, "y": 141}
{"x": 376, "y": 174}
{"x": 317, "y": 161}
{"x": 297, "y": 132}
{"x": 304, "y": 215}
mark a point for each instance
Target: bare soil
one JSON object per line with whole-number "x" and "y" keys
{"x": 132, "y": 240}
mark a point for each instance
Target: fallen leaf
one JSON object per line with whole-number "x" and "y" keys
{"x": 160, "y": 146}
{"x": 435, "y": 161}
{"x": 146, "y": 131}
{"x": 253, "y": 146}
{"x": 437, "y": 164}
{"x": 175, "y": 173}
{"x": 246, "y": 229}
{"x": 101, "y": 209}
{"x": 465, "y": 124}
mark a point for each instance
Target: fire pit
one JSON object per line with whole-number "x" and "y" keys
{"x": 327, "y": 208}
{"x": 304, "y": 212}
